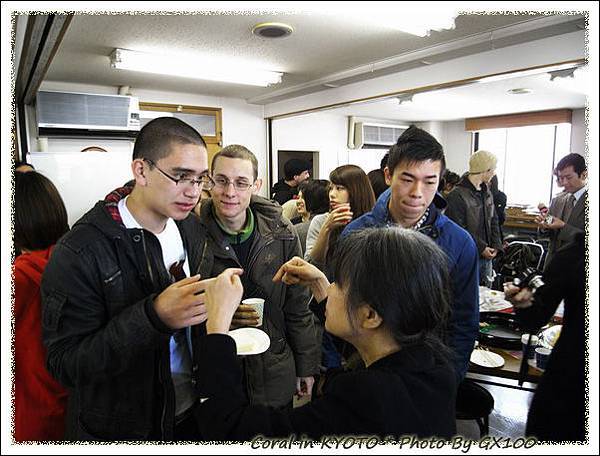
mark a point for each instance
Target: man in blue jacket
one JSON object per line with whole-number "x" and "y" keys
{"x": 413, "y": 172}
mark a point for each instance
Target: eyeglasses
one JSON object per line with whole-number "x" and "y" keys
{"x": 223, "y": 182}
{"x": 205, "y": 182}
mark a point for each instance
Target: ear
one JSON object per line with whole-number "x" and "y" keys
{"x": 257, "y": 186}
{"x": 584, "y": 175}
{"x": 369, "y": 318}
{"x": 388, "y": 176}
{"x": 139, "y": 172}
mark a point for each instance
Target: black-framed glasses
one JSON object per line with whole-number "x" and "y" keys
{"x": 238, "y": 184}
{"x": 204, "y": 182}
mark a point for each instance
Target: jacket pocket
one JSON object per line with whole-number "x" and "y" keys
{"x": 52, "y": 310}
{"x": 114, "y": 291}
{"x": 94, "y": 426}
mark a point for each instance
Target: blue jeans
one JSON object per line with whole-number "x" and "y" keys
{"x": 486, "y": 274}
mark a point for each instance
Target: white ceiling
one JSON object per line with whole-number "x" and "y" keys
{"x": 324, "y": 48}
{"x": 482, "y": 99}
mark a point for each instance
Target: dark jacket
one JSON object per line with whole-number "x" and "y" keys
{"x": 573, "y": 225}
{"x": 558, "y": 406}
{"x": 475, "y": 211}
{"x": 463, "y": 326}
{"x": 410, "y": 392}
{"x": 270, "y": 377}
{"x": 104, "y": 339}
{"x": 282, "y": 192}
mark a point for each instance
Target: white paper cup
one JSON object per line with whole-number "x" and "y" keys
{"x": 258, "y": 304}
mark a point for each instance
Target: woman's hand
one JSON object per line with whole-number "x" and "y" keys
{"x": 299, "y": 272}
{"x": 340, "y": 216}
{"x": 223, "y": 296}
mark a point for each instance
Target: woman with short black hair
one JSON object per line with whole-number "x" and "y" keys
{"x": 313, "y": 199}
{"x": 40, "y": 220}
{"x": 391, "y": 311}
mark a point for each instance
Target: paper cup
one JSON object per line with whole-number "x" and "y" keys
{"x": 532, "y": 345}
{"x": 258, "y": 304}
{"x": 542, "y": 355}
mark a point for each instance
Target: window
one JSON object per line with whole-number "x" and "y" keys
{"x": 527, "y": 156}
{"x": 207, "y": 121}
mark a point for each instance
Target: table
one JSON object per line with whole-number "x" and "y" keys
{"x": 510, "y": 371}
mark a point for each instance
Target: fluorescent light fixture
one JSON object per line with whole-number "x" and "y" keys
{"x": 186, "y": 67}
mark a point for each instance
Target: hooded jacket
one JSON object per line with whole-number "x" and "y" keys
{"x": 40, "y": 401}
{"x": 463, "y": 326}
{"x": 270, "y": 378}
{"x": 104, "y": 338}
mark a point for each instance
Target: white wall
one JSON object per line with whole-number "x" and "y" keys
{"x": 84, "y": 178}
{"x": 242, "y": 123}
{"x": 326, "y": 133}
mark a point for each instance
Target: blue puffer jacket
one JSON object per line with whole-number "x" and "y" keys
{"x": 464, "y": 273}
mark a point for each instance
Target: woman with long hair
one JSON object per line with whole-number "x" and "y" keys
{"x": 391, "y": 311}
{"x": 40, "y": 220}
{"x": 350, "y": 196}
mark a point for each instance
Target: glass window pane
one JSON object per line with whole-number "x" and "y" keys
{"x": 494, "y": 141}
{"x": 563, "y": 148}
{"x": 529, "y": 152}
{"x": 204, "y": 124}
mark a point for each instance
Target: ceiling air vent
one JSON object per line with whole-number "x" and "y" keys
{"x": 272, "y": 30}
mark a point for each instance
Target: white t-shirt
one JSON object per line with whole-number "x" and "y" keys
{"x": 173, "y": 251}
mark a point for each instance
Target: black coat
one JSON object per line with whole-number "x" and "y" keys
{"x": 282, "y": 192}
{"x": 104, "y": 339}
{"x": 410, "y": 392}
{"x": 558, "y": 406}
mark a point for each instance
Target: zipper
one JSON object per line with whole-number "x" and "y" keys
{"x": 147, "y": 258}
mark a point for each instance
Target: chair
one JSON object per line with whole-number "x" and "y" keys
{"x": 474, "y": 402}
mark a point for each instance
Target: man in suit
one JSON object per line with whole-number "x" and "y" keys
{"x": 567, "y": 208}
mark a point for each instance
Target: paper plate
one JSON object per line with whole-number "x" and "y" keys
{"x": 486, "y": 358}
{"x": 250, "y": 341}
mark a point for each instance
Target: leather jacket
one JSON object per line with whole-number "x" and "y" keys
{"x": 104, "y": 339}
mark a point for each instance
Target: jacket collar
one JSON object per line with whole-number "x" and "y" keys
{"x": 381, "y": 211}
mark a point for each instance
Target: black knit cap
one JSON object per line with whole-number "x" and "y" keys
{"x": 295, "y": 167}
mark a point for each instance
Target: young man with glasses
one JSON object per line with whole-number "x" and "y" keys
{"x": 122, "y": 300}
{"x": 248, "y": 231}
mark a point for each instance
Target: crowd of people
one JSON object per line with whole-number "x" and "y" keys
{"x": 370, "y": 286}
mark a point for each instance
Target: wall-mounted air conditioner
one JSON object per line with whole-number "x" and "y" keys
{"x": 369, "y": 135}
{"x": 68, "y": 114}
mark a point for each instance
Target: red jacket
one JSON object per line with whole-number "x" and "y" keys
{"x": 40, "y": 401}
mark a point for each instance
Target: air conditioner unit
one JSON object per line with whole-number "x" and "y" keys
{"x": 68, "y": 114}
{"x": 368, "y": 135}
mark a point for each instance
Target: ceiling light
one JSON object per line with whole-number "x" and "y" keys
{"x": 405, "y": 98}
{"x": 186, "y": 67}
{"x": 272, "y": 30}
{"x": 568, "y": 73}
{"x": 519, "y": 91}
{"x": 573, "y": 79}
